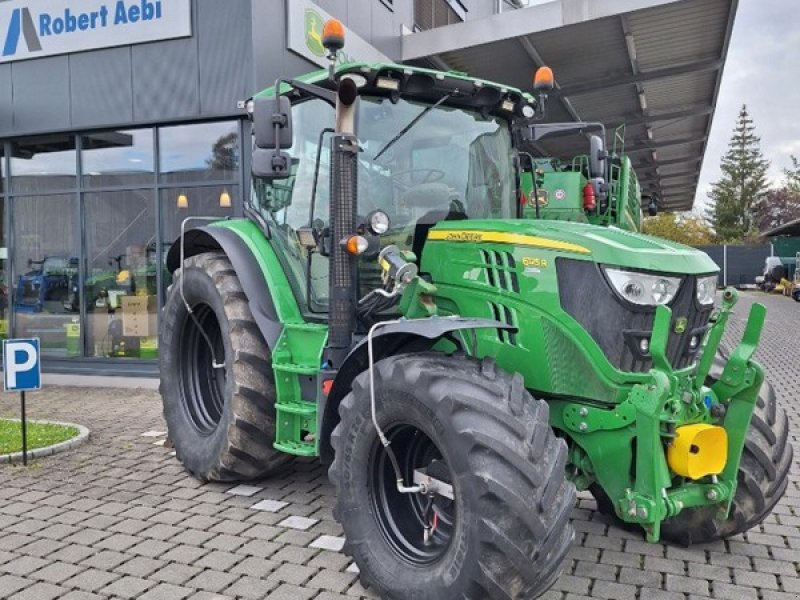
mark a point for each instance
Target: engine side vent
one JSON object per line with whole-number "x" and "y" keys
{"x": 501, "y": 270}
{"x": 504, "y": 314}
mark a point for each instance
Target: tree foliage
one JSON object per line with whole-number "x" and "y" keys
{"x": 682, "y": 228}
{"x": 743, "y": 184}
{"x": 225, "y": 153}
{"x": 793, "y": 176}
{"x": 777, "y": 208}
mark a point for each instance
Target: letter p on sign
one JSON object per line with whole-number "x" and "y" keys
{"x": 21, "y": 365}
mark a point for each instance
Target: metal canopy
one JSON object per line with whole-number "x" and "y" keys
{"x": 792, "y": 228}
{"x": 653, "y": 65}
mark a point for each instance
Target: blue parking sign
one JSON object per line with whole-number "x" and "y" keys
{"x": 21, "y": 365}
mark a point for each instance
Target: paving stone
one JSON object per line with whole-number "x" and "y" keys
{"x": 255, "y": 566}
{"x": 41, "y": 591}
{"x": 57, "y": 572}
{"x": 128, "y": 587}
{"x": 166, "y": 591}
{"x": 687, "y": 585}
{"x": 294, "y": 554}
{"x": 291, "y": 592}
{"x": 726, "y": 591}
{"x": 213, "y": 581}
{"x": 151, "y": 548}
{"x": 759, "y": 580}
{"x": 640, "y": 577}
{"x": 10, "y": 584}
{"x": 187, "y": 555}
{"x": 618, "y": 591}
{"x": 326, "y": 559}
{"x": 294, "y": 574}
{"x": 269, "y": 505}
{"x": 140, "y": 566}
{"x": 79, "y": 595}
{"x": 176, "y": 573}
{"x": 244, "y": 490}
{"x": 74, "y": 553}
{"x": 250, "y": 587}
{"x": 91, "y": 580}
{"x": 328, "y": 542}
{"x": 23, "y": 565}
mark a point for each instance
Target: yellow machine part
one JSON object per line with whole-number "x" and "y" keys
{"x": 698, "y": 450}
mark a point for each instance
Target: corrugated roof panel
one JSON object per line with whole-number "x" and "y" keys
{"x": 584, "y": 51}
{"x": 681, "y": 32}
{"x": 688, "y": 89}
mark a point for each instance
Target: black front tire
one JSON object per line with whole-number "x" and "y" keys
{"x": 220, "y": 420}
{"x": 761, "y": 482}
{"x": 506, "y": 532}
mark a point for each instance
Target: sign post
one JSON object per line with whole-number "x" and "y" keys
{"x": 22, "y": 372}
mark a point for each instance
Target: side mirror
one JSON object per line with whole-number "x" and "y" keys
{"x": 270, "y": 164}
{"x": 272, "y": 122}
{"x": 597, "y": 157}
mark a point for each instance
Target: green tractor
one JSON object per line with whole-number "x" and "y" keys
{"x": 462, "y": 369}
{"x": 586, "y": 186}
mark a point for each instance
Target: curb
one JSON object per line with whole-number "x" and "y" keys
{"x": 83, "y": 435}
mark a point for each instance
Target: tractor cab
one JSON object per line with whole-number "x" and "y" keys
{"x": 431, "y": 148}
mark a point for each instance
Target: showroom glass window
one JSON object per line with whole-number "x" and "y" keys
{"x": 199, "y": 171}
{"x": 120, "y": 284}
{"x": 92, "y": 217}
{"x": 45, "y": 242}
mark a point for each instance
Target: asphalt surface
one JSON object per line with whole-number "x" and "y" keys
{"x": 118, "y": 517}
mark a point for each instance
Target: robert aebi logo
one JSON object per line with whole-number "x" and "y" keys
{"x": 46, "y": 24}
{"x": 21, "y": 24}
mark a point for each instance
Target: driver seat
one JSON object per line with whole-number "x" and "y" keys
{"x": 424, "y": 225}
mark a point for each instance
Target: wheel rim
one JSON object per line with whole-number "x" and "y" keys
{"x": 401, "y": 517}
{"x": 203, "y": 386}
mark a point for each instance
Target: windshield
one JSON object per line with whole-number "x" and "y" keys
{"x": 419, "y": 164}
{"x": 448, "y": 160}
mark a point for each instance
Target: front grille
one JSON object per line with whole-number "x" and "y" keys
{"x": 618, "y": 326}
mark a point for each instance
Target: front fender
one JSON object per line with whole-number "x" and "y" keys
{"x": 403, "y": 337}
{"x": 249, "y": 272}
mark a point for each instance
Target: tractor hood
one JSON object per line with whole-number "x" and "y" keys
{"x": 604, "y": 245}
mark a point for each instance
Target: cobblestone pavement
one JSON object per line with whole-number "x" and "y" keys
{"x": 118, "y": 517}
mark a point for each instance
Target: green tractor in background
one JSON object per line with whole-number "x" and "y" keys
{"x": 588, "y": 186}
{"x": 387, "y": 307}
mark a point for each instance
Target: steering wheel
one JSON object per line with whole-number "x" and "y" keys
{"x": 431, "y": 175}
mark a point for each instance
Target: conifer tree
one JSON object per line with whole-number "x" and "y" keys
{"x": 744, "y": 176}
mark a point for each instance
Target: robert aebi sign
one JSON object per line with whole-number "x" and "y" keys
{"x": 35, "y": 29}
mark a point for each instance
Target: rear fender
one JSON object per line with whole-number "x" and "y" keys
{"x": 403, "y": 337}
{"x": 214, "y": 239}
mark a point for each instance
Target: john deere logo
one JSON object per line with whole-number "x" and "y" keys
{"x": 314, "y": 24}
{"x": 680, "y": 325}
{"x": 21, "y": 24}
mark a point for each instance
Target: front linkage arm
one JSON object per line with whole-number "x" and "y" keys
{"x": 662, "y": 400}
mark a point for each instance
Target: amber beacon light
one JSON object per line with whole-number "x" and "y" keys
{"x": 333, "y": 35}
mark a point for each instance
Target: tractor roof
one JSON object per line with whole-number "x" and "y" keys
{"x": 421, "y": 83}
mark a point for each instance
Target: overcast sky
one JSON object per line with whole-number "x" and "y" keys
{"x": 762, "y": 71}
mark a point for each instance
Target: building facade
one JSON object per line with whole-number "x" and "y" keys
{"x": 119, "y": 120}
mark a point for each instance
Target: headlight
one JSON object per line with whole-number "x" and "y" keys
{"x": 643, "y": 289}
{"x": 706, "y": 287}
{"x": 378, "y": 222}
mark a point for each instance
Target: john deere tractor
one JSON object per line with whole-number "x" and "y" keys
{"x": 462, "y": 369}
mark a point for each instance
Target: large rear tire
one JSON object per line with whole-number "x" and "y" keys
{"x": 506, "y": 531}
{"x": 220, "y": 420}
